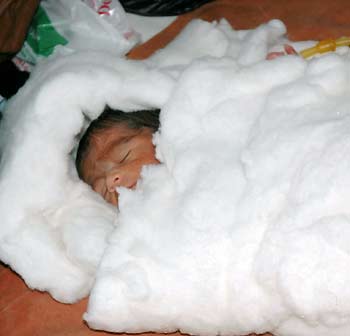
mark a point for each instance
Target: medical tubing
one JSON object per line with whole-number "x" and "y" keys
{"x": 325, "y": 46}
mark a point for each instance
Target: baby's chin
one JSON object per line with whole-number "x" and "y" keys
{"x": 112, "y": 198}
{"x": 114, "y": 202}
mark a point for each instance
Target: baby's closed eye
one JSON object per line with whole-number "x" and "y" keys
{"x": 125, "y": 156}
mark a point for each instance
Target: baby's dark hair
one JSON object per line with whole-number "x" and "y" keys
{"x": 111, "y": 118}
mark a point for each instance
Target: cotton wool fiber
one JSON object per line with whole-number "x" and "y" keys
{"x": 243, "y": 227}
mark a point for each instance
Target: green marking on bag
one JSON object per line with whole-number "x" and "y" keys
{"x": 42, "y": 36}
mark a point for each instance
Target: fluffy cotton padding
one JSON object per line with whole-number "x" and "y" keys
{"x": 53, "y": 227}
{"x": 243, "y": 227}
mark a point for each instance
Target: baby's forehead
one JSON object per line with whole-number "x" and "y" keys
{"x": 103, "y": 137}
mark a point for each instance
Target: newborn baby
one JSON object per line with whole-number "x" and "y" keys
{"x": 117, "y": 145}
{"x": 114, "y": 148}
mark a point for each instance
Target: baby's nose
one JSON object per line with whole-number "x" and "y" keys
{"x": 120, "y": 178}
{"x": 114, "y": 179}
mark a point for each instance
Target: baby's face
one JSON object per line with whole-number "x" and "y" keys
{"x": 115, "y": 159}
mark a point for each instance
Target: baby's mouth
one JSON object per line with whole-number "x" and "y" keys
{"x": 115, "y": 197}
{"x": 133, "y": 186}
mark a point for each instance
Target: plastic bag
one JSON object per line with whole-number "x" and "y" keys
{"x": 73, "y": 25}
{"x": 161, "y": 7}
{"x": 112, "y": 12}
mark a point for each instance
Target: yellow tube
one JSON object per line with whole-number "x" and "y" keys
{"x": 325, "y": 46}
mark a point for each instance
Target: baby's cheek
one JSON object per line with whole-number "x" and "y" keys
{"x": 98, "y": 186}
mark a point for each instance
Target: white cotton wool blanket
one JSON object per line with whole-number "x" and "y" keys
{"x": 53, "y": 228}
{"x": 243, "y": 227}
